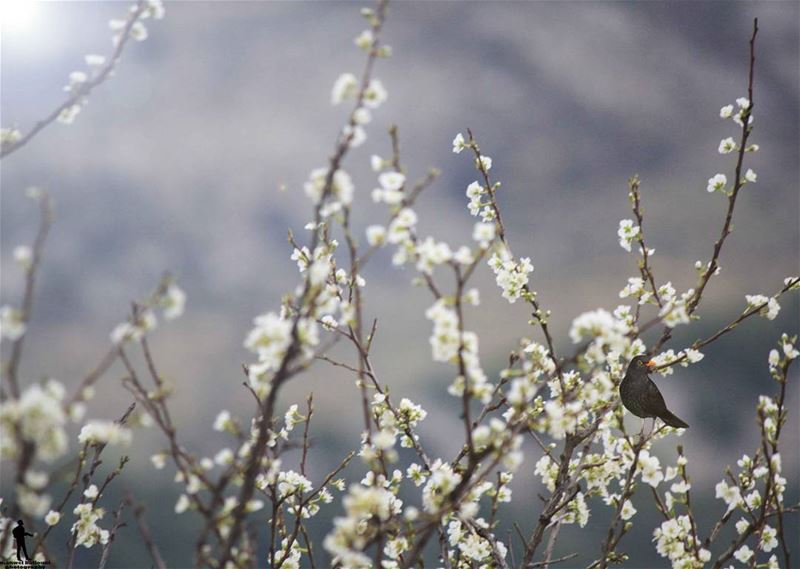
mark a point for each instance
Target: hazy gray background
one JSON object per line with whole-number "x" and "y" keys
{"x": 176, "y": 163}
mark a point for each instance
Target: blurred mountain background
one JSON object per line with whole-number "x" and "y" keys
{"x": 179, "y": 161}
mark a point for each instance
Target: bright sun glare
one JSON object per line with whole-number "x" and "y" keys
{"x": 17, "y": 16}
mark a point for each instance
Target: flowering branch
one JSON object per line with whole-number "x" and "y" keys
{"x": 82, "y": 85}
{"x": 745, "y": 117}
{"x": 569, "y": 407}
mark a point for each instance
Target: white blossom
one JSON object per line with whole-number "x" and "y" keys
{"x": 52, "y": 518}
{"x": 511, "y": 276}
{"x": 12, "y": 323}
{"x": 727, "y": 145}
{"x": 173, "y": 302}
{"x": 376, "y": 235}
{"x": 628, "y": 511}
{"x": 769, "y": 310}
{"x": 68, "y": 114}
{"x": 365, "y": 40}
{"x": 742, "y": 525}
{"x": 650, "y": 469}
{"x": 484, "y": 234}
{"x": 345, "y": 87}
{"x": 743, "y": 554}
{"x": 105, "y": 432}
{"x": 375, "y": 94}
{"x": 342, "y": 187}
{"x": 731, "y": 495}
{"x": 484, "y": 163}
{"x": 717, "y": 183}
{"x": 94, "y": 60}
{"x": 627, "y": 232}
{"x": 23, "y": 256}
{"x": 769, "y": 540}
{"x": 391, "y": 180}
{"x": 459, "y": 143}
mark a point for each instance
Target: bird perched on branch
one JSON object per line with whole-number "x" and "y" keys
{"x": 641, "y": 396}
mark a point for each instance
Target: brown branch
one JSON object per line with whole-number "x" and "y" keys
{"x": 144, "y": 532}
{"x": 282, "y": 375}
{"x": 45, "y": 222}
{"x": 729, "y": 327}
{"x": 644, "y": 267}
{"x": 112, "y": 535}
{"x": 541, "y": 316}
{"x": 712, "y": 266}
{"x": 552, "y": 561}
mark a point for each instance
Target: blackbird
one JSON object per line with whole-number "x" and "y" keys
{"x": 641, "y": 396}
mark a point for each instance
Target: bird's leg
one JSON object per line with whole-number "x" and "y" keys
{"x": 650, "y": 432}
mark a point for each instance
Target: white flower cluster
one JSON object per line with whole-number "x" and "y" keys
{"x": 562, "y": 418}
{"x": 105, "y": 432}
{"x": 676, "y": 541}
{"x": 674, "y": 309}
{"x": 522, "y": 395}
{"x": 770, "y": 307}
{"x": 742, "y": 111}
{"x": 480, "y": 201}
{"x": 372, "y": 96}
{"x": 636, "y": 289}
{"x": 30, "y": 496}
{"x": 717, "y": 183}
{"x": 608, "y": 334}
{"x": 510, "y": 275}
{"x": 269, "y": 339}
{"x": 788, "y": 346}
{"x": 38, "y": 416}
{"x": 401, "y": 233}
{"x": 497, "y": 436}
{"x": 146, "y": 321}
{"x": 627, "y": 232}
{"x": 367, "y": 508}
{"x": 152, "y": 9}
{"x": 431, "y": 253}
{"x": 685, "y": 357}
{"x": 441, "y": 483}
{"x": 337, "y": 189}
{"x": 9, "y": 136}
{"x": 12, "y": 323}
{"x": 469, "y": 547}
{"x": 446, "y": 339}
{"x": 650, "y": 469}
{"x": 396, "y": 422}
{"x": 23, "y": 256}
{"x": 172, "y": 301}
{"x": 390, "y": 191}
{"x": 86, "y": 530}
{"x": 449, "y": 345}
{"x": 95, "y": 63}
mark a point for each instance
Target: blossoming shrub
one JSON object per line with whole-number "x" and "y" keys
{"x": 568, "y": 405}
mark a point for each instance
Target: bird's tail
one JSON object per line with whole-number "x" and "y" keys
{"x": 670, "y": 419}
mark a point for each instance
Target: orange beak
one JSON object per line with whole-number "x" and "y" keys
{"x": 651, "y": 364}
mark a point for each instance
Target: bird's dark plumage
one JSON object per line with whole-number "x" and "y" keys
{"x": 641, "y": 396}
